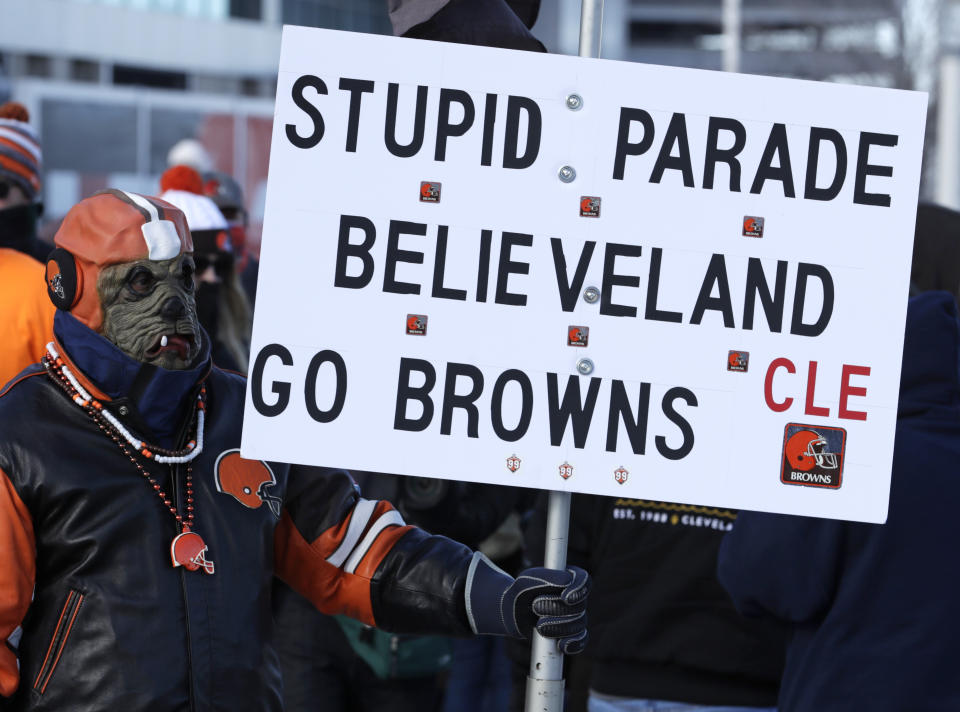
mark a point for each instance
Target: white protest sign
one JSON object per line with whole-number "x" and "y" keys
{"x": 584, "y": 275}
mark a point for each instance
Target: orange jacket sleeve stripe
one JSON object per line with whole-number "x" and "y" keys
{"x": 334, "y": 570}
{"x": 379, "y": 550}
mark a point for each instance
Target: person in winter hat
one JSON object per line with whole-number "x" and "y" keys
{"x": 26, "y": 315}
{"x": 20, "y": 166}
{"x": 222, "y": 305}
{"x": 228, "y": 195}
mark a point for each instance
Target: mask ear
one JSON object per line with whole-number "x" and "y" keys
{"x": 64, "y": 280}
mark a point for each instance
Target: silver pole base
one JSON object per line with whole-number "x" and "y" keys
{"x": 544, "y": 695}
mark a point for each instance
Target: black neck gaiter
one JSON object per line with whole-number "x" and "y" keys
{"x": 208, "y": 307}
{"x": 18, "y": 230}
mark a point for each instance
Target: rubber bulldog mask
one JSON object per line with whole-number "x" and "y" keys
{"x": 150, "y": 311}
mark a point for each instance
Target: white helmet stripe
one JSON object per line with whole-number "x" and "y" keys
{"x": 143, "y": 203}
{"x": 163, "y": 242}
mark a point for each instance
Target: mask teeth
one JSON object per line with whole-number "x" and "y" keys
{"x": 163, "y": 341}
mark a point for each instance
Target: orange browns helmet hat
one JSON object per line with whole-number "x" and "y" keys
{"x": 108, "y": 228}
{"x": 247, "y": 481}
{"x": 806, "y": 449}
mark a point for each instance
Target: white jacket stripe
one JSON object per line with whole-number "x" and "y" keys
{"x": 388, "y": 519}
{"x": 362, "y": 512}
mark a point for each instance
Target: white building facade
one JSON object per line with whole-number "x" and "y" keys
{"x": 112, "y": 84}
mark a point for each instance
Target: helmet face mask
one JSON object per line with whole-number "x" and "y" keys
{"x": 817, "y": 449}
{"x": 150, "y": 311}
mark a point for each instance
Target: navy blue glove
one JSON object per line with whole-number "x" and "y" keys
{"x": 552, "y": 601}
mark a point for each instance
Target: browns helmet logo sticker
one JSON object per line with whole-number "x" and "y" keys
{"x": 738, "y": 360}
{"x": 64, "y": 281}
{"x": 621, "y": 474}
{"x": 752, "y": 226}
{"x": 513, "y": 463}
{"x": 429, "y": 192}
{"x": 578, "y": 335}
{"x": 55, "y": 278}
{"x": 417, "y": 324}
{"x": 566, "y": 470}
{"x": 813, "y": 455}
{"x": 589, "y": 206}
{"x": 247, "y": 481}
{"x": 56, "y": 285}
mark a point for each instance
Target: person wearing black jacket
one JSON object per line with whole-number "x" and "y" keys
{"x": 872, "y": 607}
{"x": 661, "y": 626}
{"x": 138, "y": 547}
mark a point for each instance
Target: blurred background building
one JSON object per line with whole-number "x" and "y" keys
{"x": 835, "y": 40}
{"x": 113, "y": 84}
{"x": 888, "y": 43}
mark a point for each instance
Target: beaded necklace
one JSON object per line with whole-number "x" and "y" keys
{"x": 187, "y": 548}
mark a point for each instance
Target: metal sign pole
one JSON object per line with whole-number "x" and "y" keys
{"x": 545, "y": 681}
{"x": 731, "y": 35}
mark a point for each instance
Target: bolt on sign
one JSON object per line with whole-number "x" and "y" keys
{"x": 517, "y": 250}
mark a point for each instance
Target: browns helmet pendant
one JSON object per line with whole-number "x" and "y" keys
{"x": 189, "y": 551}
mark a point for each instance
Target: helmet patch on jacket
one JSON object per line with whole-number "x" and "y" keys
{"x": 247, "y": 481}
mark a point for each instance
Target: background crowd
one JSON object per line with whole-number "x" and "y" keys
{"x": 693, "y": 607}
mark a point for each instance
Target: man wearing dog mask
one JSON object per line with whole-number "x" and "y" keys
{"x": 139, "y": 546}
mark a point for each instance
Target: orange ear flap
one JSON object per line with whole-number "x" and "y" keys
{"x": 64, "y": 280}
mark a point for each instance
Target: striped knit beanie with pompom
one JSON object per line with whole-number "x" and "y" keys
{"x": 20, "y": 156}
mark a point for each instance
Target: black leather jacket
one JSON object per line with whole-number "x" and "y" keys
{"x": 114, "y": 626}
